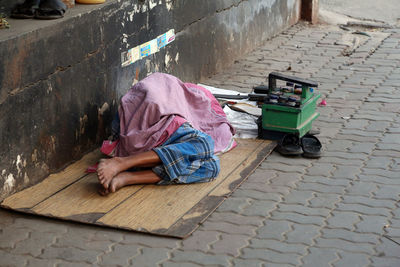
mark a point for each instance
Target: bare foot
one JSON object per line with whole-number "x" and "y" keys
{"x": 130, "y": 178}
{"x": 104, "y": 192}
{"x": 120, "y": 180}
{"x": 107, "y": 169}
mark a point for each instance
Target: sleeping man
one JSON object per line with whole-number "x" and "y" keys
{"x": 169, "y": 132}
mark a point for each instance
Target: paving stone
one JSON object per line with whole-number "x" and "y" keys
{"x": 235, "y": 218}
{"x": 273, "y": 230}
{"x": 148, "y": 240}
{"x": 234, "y": 204}
{"x": 346, "y": 220}
{"x": 388, "y": 248}
{"x": 348, "y": 172}
{"x": 326, "y": 180}
{"x": 377, "y": 125}
{"x": 230, "y": 244}
{"x": 199, "y": 258}
{"x": 385, "y": 262}
{"x": 6, "y": 218}
{"x": 261, "y": 176}
{"x": 386, "y": 153}
{"x": 149, "y": 257}
{"x": 395, "y": 222}
{"x": 370, "y": 202}
{"x": 379, "y": 180}
{"x": 109, "y": 235}
{"x": 362, "y": 188}
{"x": 297, "y": 218}
{"x": 278, "y": 246}
{"x": 352, "y": 259}
{"x": 299, "y": 197}
{"x": 394, "y": 233}
{"x": 248, "y": 262}
{"x": 9, "y": 238}
{"x": 350, "y": 236}
{"x": 378, "y": 162}
{"x": 259, "y": 208}
{"x": 362, "y": 209}
{"x": 253, "y": 194}
{"x": 320, "y": 257}
{"x": 270, "y": 256}
{"x": 379, "y": 172}
{"x": 396, "y": 212}
{"x": 42, "y": 225}
{"x": 9, "y": 259}
{"x": 266, "y": 188}
{"x": 302, "y": 234}
{"x": 82, "y": 243}
{"x": 341, "y": 161}
{"x": 179, "y": 264}
{"x": 282, "y": 167}
{"x": 361, "y": 133}
{"x": 286, "y": 179}
{"x": 120, "y": 255}
{"x": 34, "y": 262}
{"x": 320, "y": 169}
{"x": 320, "y": 188}
{"x": 372, "y": 224}
{"x": 327, "y": 201}
{"x": 395, "y": 165}
{"x": 283, "y": 207}
{"x": 70, "y": 254}
{"x": 200, "y": 240}
{"x": 35, "y": 243}
{"x": 387, "y": 192}
{"x": 345, "y": 245}
{"x": 229, "y": 228}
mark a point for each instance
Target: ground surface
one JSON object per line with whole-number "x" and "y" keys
{"x": 340, "y": 210}
{"x": 382, "y": 10}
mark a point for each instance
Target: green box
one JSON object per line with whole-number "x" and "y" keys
{"x": 287, "y": 119}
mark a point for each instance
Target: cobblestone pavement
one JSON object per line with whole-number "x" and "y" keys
{"x": 340, "y": 210}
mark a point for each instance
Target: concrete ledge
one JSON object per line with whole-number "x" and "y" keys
{"x": 61, "y": 80}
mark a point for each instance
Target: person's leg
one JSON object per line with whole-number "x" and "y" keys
{"x": 130, "y": 178}
{"x": 108, "y": 168}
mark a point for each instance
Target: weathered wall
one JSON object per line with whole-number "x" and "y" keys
{"x": 60, "y": 85}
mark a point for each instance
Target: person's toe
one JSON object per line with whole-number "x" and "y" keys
{"x": 103, "y": 191}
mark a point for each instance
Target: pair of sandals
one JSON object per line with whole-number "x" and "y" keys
{"x": 308, "y": 146}
{"x": 39, "y": 9}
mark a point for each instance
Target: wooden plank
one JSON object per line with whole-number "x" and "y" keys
{"x": 55, "y": 182}
{"x": 170, "y": 203}
{"x": 264, "y": 148}
{"x": 200, "y": 212}
{"x": 192, "y": 220}
{"x": 163, "y": 210}
{"x": 82, "y": 199}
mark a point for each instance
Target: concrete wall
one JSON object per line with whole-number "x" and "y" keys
{"x": 60, "y": 83}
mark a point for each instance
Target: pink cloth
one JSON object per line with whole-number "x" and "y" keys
{"x": 151, "y": 105}
{"x": 172, "y": 127}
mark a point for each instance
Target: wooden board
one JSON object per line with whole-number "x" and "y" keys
{"x": 174, "y": 210}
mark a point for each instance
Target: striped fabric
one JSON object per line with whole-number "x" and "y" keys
{"x": 187, "y": 157}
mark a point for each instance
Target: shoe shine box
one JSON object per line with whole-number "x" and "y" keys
{"x": 280, "y": 114}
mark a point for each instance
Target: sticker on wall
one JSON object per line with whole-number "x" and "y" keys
{"x": 147, "y": 49}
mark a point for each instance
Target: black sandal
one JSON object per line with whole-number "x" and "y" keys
{"x": 289, "y": 145}
{"x": 311, "y": 146}
{"x": 26, "y": 10}
{"x": 50, "y": 9}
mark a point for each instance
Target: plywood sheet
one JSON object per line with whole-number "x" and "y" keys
{"x": 174, "y": 210}
{"x": 55, "y": 182}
